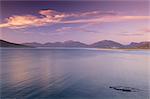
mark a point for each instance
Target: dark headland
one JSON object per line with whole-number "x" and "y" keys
{"x": 4, "y": 43}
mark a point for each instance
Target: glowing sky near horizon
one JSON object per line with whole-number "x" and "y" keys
{"x": 85, "y": 21}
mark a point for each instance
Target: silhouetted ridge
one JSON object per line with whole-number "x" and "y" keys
{"x": 4, "y": 43}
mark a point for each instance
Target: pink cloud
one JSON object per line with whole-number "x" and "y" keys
{"x": 51, "y": 16}
{"x": 146, "y": 30}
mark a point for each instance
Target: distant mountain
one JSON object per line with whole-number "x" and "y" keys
{"x": 131, "y": 45}
{"x": 141, "y": 45}
{"x": 33, "y": 44}
{"x": 106, "y": 44}
{"x": 69, "y": 43}
{"x": 74, "y": 44}
{"x": 9, "y": 44}
{"x": 55, "y": 44}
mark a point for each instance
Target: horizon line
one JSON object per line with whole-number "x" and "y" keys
{"x": 78, "y": 41}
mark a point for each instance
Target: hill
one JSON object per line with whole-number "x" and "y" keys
{"x": 106, "y": 44}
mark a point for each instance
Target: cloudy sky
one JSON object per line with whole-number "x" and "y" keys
{"x": 85, "y": 21}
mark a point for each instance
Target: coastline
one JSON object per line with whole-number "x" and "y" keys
{"x": 112, "y": 49}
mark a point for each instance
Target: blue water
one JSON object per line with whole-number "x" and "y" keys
{"x": 73, "y": 73}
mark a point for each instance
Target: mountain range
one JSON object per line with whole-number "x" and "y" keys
{"x": 69, "y": 43}
{"x": 100, "y": 44}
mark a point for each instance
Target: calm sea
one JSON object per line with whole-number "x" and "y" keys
{"x": 63, "y": 73}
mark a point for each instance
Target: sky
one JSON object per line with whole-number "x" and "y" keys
{"x": 85, "y": 21}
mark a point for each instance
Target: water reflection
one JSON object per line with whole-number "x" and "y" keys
{"x": 72, "y": 74}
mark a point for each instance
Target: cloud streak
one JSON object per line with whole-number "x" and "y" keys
{"x": 108, "y": 19}
{"x": 78, "y": 29}
{"x": 47, "y": 17}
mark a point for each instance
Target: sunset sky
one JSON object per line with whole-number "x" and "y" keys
{"x": 85, "y": 21}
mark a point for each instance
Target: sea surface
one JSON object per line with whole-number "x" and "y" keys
{"x": 72, "y": 73}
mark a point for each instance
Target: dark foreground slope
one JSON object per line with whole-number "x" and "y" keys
{"x": 4, "y": 43}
